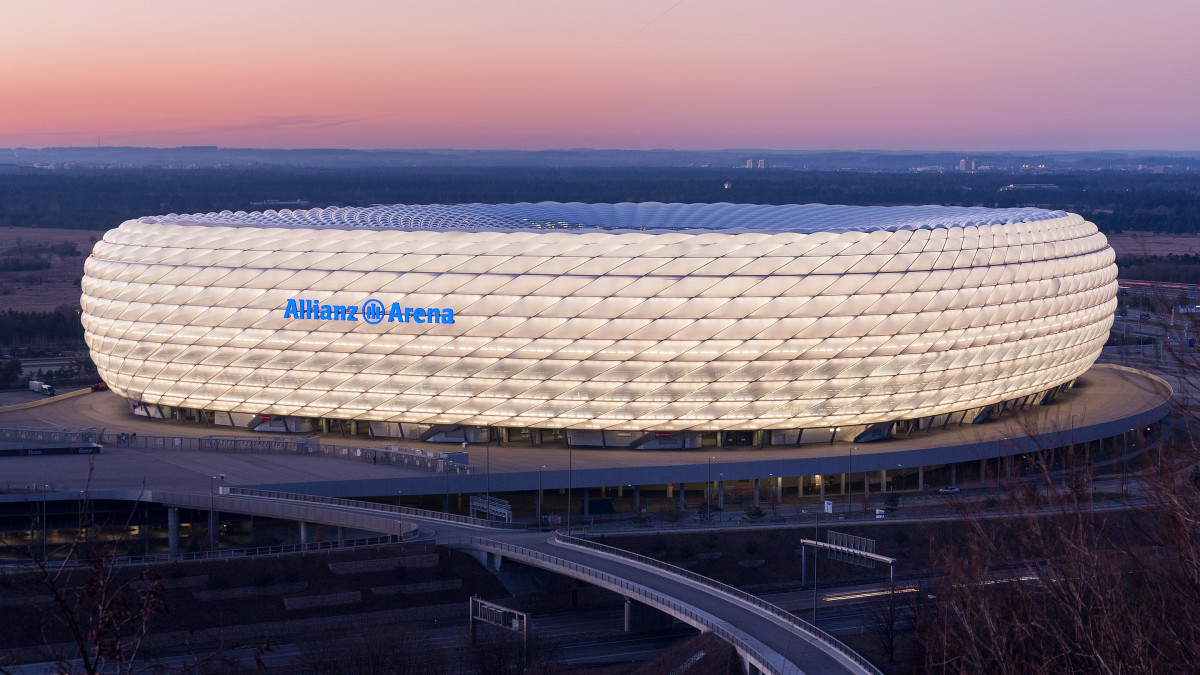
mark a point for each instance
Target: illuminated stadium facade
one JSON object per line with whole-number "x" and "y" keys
{"x": 644, "y": 325}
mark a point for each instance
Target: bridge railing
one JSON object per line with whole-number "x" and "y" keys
{"x": 371, "y": 506}
{"x": 630, "y": 589}
{"x": 248, "y": 552}
{"x": 409, "y": 458}
{"x": 774, "y": 610}
{"x": 19, "y": 434}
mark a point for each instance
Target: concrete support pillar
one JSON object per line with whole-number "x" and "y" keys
{"x": 682, "y": 502}
{"x": 214, "y": 537}
{"x": 954, "y": 474}
{"x": 821, "y": 483}
{"x": 340, "y": 536}
{"x": 845, "y": 482}
{"x": 303, "y": 533}
{"x": 921, "y": 478}
{"x": 670, "y": 490}
{"x": 637, "y": 499}
{"x": 983, "y": 471}
{"x": 587, "y": 502}
{"x": 639, "y": 617}
{"x": 867, "y": 486}
{"x": 755, "y": 493}
{"x": 883, "y": 481}
{"x": 620, "y": 491}
{"x": 721, "y": 494}
{"x": 539, "y": 506}
{"x": 173, "y": 531}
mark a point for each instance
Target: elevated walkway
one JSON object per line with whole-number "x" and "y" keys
{"x": 769, "y": 639}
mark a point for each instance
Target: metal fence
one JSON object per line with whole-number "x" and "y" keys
{"x": 231, "y": 444}
{"x": 308, "y": 445}
{"x": 371, "y": 506}
{"x": 248, "y": 552}
{"x": 403, "y": 457}
{"x": 752, "y": 652}
{"x": 20, "y": 435}
{"x": 774, "y": 610}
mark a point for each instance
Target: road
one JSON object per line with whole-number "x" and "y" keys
{"x": 587, "y": 637}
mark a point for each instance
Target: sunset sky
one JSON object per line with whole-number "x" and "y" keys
{"x": 690, "y": 74}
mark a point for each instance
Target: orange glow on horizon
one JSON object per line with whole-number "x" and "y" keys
{"x": 534, "y": 74}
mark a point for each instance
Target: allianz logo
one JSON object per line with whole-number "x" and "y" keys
{"x": 371, "y": 311}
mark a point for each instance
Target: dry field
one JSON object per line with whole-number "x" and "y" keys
{"x": 1148, "y": 244}
{"x": 41, "y": 290}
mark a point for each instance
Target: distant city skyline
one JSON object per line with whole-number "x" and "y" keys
{"x": 531, "y": 75}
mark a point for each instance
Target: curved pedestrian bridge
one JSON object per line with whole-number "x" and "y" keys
{"x": 768, "y": 638}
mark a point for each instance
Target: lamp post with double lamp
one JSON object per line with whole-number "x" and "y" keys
{"x": 45, "y": 544}
{"x": 570, "y": 481}
{"x": 849, "y": 482}
{"x": 539, "y": 495}
{"x": 708, "y": 490}
{"x": 487, "y": 448}
{"x": 213, "y": 539}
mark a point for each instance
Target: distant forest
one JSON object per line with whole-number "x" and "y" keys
{"x": 101, "y": 199}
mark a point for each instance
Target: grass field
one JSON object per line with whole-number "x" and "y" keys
{"x": 44, "y": 289}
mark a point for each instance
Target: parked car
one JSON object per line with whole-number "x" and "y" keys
{"x": 950, "y": 490}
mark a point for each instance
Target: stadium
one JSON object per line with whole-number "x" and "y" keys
{"x": 645, "y": 326}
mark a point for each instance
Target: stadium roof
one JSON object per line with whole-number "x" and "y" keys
{"x": 623, "y": 217}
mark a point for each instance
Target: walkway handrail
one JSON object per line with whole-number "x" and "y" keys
{"x": 247, "y": 552}
{"x": 372, "y": 506}
{"x": 774, "y": 610}
{"x": 648, "y": 596}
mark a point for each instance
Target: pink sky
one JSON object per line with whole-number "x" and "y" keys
{"x": 696, "y": 74}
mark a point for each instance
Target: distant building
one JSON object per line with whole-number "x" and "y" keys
{"x": 1014, "y": 187}
{"x": 762, "y": 163}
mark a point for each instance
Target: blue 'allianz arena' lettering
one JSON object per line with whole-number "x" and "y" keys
{"x": 372, "y": 311}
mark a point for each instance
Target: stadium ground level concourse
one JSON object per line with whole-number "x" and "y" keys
{"x": 1109, "y": 412}
{"x": 448, "y": 436}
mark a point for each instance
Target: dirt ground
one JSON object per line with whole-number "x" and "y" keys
{"x": 42, "y": 290}
{"x": 1148, "y": 243}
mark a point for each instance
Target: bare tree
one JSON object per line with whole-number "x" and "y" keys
{"x": 1063, "y": 587}
{"x": 104, "y": 610}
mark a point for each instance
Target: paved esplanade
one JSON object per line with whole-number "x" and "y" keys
{"x": 1108, "y": 401}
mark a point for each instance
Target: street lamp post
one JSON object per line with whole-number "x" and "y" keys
{"x": 487, "y": 448}
{"x": 539, "y": 496}
{"x": 212, "y": 513}
{"x": 45, "y": 544}
{"x": 570, "y": 481}
{"x": 849, "y": 482}
{"x": 708, "y": 492}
